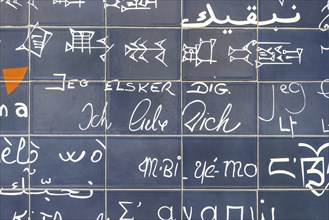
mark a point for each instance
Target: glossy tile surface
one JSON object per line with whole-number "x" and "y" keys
{"x": 164, "y": 109}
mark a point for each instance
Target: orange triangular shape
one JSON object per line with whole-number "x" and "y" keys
{"x": 13, "y": 77}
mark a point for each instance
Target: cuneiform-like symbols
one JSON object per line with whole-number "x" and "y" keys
{"x": 126, "y": 5}
{"x": 199, "y": 53}
{"x": 12, "y": 3}
{"x": 269, "y": 53}
{"x": 136, "y": 48}
{"x": 39, "y": 39}
{"x": 242, "y": 53}
{"x": 68, "y": 2}
{"x": 81, "y": 40}
{"x": 272, "y": 53}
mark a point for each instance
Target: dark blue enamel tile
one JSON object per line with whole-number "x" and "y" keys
{"x": 219, "y": 205}
{"x": 198, "y": 13}
{"x": 53, "y": 165}
{"x": 227, "y": 168}
{"x": 219, "y": 108}
{"x": 64, "y": 53}
{"x": 140, "y": 162}
{"x": 65, "y": 206}
{"x": 156, "y": 13}
{"x": 216, "y": 54}
{"x": 288, "y": 163}
{"x": 67, "y": 112}
{"x": 14, "y": 206}
{"x": 9, "y": 56}
{"x": 292, "y": 205}
{"x": 146, "y": 205}
{"x": 14, "y": 109}
{"x": 301, "y": 13}
{"x": 293, "y": 55}
{"x": 14, "y": 161}
{"x": 293, "y": 108}
{"x": 144, "y": 54}
{"x": 12, "y": 13}
{"x": 154, "y": 108}
{"x": 68, "y": 13}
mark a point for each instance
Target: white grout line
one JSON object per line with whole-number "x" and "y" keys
{"x": 107, "y": 58}
{"x": 181, "y": 117}
{"x": 29, "y": 111}
{"x": 257, "y": 114}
